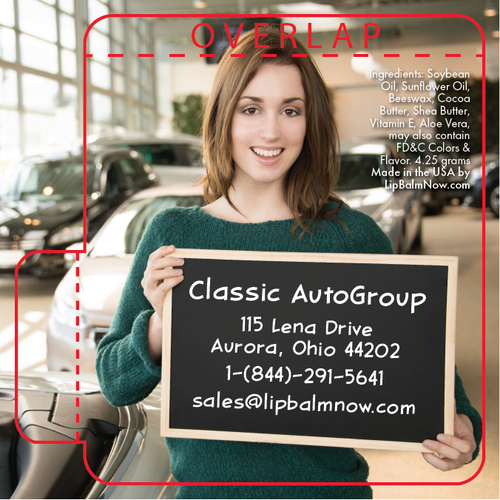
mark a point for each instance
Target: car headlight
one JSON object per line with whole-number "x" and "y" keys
{"x": 64, "y": 304}
{"x": 68, "y": 234}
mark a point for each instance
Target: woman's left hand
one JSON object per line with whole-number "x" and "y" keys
{"x": 452, "y": 452}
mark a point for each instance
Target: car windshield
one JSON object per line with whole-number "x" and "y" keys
{"x": 358, "y": 171}
{"x": 38, "y": 180}
{"x": 124, "y": 231}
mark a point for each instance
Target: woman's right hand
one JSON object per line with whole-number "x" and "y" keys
{"x": 159, "y": 277}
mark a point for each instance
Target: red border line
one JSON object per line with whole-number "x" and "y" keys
{"x": 115, "y": 55}
{"x": 453, "y": 55}
{"x": 177, "y": 55}
{"x": 145, "y": 55}
{"x": 422, "y": 55}
{"x": 391, "y": 55}
{"x": 483, "y": 274}
{"x": 330, "y": 55}
{"x": 207, "y": 55}
{"x": 360, "y": 55}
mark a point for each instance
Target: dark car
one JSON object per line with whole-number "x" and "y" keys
{"x": 41, "y": 202}
{"x": 475, "y": 196}
{"x": 122, "y": 444}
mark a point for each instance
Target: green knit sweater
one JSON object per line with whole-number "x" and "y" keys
{"x": 127, "y": 374}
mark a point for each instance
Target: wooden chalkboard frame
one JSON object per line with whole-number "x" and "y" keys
{"x": 449, "y": 363}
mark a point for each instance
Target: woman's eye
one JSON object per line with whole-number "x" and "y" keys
{"x": 250, "y": 111}
{"x": 291, "y": 112}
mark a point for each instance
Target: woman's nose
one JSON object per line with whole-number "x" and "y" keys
{"x": 270, "y": 128}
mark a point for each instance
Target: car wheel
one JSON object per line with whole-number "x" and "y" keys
{"x": 493, "y": 200}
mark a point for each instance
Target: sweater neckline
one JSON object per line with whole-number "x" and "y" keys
{"x": 246, "y": 224}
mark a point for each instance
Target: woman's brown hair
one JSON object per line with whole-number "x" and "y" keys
{"x": 309, "y": 183}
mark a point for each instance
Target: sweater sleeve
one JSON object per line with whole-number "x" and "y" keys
{"x": 465, "y": 408}
{"x": 126, "y": 372}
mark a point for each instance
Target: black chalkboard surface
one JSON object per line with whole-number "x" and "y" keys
{"x": 318, "y": 349}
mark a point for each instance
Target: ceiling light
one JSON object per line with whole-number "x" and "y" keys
{"x": 496, "y": 34}
{"x": 199, "y": 4}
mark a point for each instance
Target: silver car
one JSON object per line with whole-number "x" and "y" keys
{"x": 176, "y": 159}
{"x": 101, "y": 276}
{"x": 122, "y": 444}
{"x": 368, "y": 170}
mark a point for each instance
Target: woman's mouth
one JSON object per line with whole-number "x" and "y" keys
{"x": 267, "y": 153}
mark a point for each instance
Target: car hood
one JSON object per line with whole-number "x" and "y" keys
{"x": 39, "y": 215}
{"x": 101, "y": 283}
{"x": 59, "y": 382}
{"x": 368, "y": 201}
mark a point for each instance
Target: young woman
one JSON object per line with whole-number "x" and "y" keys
{"x": 270, "y": 149}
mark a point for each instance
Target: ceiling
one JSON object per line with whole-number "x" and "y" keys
{"x": 408, "y": 31}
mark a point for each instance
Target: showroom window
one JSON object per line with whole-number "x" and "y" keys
{"x": 41, "y": 74}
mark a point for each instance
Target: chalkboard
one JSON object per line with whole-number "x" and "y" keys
{"x": 315, "y": 349}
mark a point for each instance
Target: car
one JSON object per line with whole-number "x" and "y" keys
{"x": 475, "y": 196}
{"x": 122, "y": 444}
{"x": 420, "y": 156}
{"x": 102, "y": 274}
{"x": 459, "y": 182}
{"x": 41, "y": 202}
{"x": 176, "y": 159}
{"x": 368, "y": 169}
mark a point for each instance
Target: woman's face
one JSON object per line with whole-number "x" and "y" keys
{"x": 269, "y": 125}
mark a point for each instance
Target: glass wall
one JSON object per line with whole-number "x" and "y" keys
{"x": 41, "y": 74}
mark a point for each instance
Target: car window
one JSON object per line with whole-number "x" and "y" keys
{"x": 34, "y": 179}
{"x": 195, "y": 155}
{"x": 158, "y": 154}
{"x": 125, "y": 229}
{"x": 132, "y": 168}
{"x": 357, "y": 172}
{"x": 115, "y": 180}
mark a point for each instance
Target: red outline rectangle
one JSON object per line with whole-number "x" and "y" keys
{"x": 483, "y": 234}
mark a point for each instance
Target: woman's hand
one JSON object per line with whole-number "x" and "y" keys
{"x": 452, "y": 452}
{"x": 159, "y": 277}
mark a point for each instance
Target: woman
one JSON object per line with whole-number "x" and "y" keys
{"x": 270, "y": 149}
